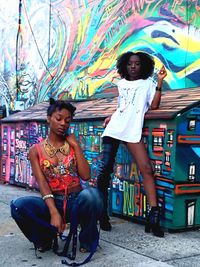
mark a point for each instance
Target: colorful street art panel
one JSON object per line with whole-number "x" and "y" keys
{"x": 171, "y": 137}
{"x": 68, "y": 48}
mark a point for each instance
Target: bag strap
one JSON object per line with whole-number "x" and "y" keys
{"x": 72, "y": 236}
{"x": 93, "y": 248}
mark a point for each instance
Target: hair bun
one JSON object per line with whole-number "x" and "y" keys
{"x": 52, "y": 101}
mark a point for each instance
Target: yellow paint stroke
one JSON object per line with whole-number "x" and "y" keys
{"x": 82, "y": 28}
{"x": 104, "y": 62}
{"x": 189, "y": 69}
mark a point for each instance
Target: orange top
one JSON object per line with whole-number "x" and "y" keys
{"x": 60, "y": 183}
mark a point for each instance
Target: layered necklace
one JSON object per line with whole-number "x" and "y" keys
{"x": 53, "y": 151}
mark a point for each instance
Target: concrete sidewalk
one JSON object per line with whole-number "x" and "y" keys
{"x": 126, "y": 245}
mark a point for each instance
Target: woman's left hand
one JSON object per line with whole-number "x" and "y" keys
{"x": 162, "y": 73}
{"x": 71, "y": 139}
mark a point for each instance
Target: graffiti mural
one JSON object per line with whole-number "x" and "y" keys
{"x": 68, "y": 49}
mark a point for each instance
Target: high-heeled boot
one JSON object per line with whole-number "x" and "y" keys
{"x": 105, "y": 224}
{"x": 104, "y": 221}
{"x": 153, "y": 222}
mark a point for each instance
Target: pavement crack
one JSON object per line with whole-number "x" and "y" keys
{"x": 181, "y": 258}
{"x": 6, "y": 203}
{"x": 131, "y": 250}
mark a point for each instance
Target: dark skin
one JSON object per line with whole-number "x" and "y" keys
{"x": 138, "y": 150}
{"x": 133, "y": 69}
{"x": 59, "y": 123}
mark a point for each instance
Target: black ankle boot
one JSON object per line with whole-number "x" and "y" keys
{"x": 105, "y": 224}
{"x": 153, "y": 222}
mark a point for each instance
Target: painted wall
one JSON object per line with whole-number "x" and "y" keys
{"x": 68, "y": 49}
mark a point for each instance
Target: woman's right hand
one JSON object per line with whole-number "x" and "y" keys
{"x": 71, "y": 139}
{"x": 57, "y": 221}
{"x": 106, "y": 121}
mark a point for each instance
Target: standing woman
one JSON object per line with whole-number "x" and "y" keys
{"x": 137, "y": 94}
{"x": 58, "y": 164}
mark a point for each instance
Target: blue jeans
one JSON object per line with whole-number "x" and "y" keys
{"x": 110, "y": 147}
{"x": 32, "y": 215}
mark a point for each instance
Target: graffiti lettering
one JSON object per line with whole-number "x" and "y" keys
{"x": 128, "y": 207}
{"x": 21, "y": 144}
{"x": 134, "y": 173}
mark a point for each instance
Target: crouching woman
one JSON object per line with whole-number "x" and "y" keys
{"x": 58, "y": 164}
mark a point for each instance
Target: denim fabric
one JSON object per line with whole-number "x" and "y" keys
{"x": 32, "y": 215}
{"x": 110, "y": 147}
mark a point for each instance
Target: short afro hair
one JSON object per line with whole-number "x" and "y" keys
{"x": 55, "y": 105}
{"x": 147, "y": 64}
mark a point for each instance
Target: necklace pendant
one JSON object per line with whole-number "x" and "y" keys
{"x": 62, "y": 168}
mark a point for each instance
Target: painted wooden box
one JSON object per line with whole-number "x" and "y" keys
{"x": 172, "y": 138}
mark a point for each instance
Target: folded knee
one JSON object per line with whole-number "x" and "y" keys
{"x": 22, "y": 204}
{"x": 91, "y": 198}
{"x": 15, "y": 207}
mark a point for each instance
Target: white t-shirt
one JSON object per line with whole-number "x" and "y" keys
{"x": 134, "y": 100}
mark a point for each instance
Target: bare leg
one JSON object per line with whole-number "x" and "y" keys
{"x": 140, "y": 155}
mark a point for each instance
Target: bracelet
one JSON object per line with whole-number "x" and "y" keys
{"x": 158, "y": 89}
{"x": 48, "y": 196}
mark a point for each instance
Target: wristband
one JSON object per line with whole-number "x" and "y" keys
{"x": 158, "y": 89}
{"x": 48, "y": 196}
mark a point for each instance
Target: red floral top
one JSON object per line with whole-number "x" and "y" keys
{"x": 60, "y": 182}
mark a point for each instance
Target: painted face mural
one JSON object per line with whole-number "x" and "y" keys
{"x": 68, "y": 49}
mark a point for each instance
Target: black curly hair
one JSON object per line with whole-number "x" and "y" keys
{"x": 147, "y": 64}
{"x": 55, "y": 105}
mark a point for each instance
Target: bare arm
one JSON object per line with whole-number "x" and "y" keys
{"x": 56, "y": 219}
{"x": 82, "y": 164}
{"x": 157, "y": 97}
{"x": 106, "y": 121}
